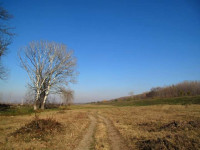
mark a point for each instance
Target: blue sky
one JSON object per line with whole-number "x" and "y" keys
{"x": 120, "y": 45}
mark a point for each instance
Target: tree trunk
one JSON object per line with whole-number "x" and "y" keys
{"x": 36, "y": 99}
{"x": 42, "y": 95}
{"x": 43, "y": 102}
{"x": 45, "y": 98}
{"x": 43, "y": 106}
{"x": 35, "y": 106}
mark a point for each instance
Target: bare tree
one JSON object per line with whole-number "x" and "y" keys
{"x": 131, "y": 94}
{"x": 49, "y": 66}
{"x": 5, "y": 37}
{"x": 67, "y": 96}
{"x": 186, "y": 88}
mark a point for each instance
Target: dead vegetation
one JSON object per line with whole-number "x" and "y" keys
{"x": 39, "y": 129}
{"x": 64, "y": 133}
{"x": 176, "y": 139}
{"x": 101, "y": 136}
{"x": 158, "y": 127}
{"x": 146, "y": 128}
{"x": 175, "y": 142}
{"x": 159, "y": 143}
{"x": 172, "y": 126}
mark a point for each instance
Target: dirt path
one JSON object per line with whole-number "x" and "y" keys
{"x": 87, "y": 140}
{"x": 116, "y": 141}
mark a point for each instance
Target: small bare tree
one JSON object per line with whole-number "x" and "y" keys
{"x": 49, "y": 66}
{"x": 131, "y": 94}
{"x": 67, "y": 96}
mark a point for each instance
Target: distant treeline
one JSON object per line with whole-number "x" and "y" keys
{"x": 186, "y": 88}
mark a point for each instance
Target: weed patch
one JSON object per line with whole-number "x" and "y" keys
{"x": 175, "y": 142}
{"x": 159, "y": 143}
{"x": 38, "y": 129}
{"x": 171, "y": 126}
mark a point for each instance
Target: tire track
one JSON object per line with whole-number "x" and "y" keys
{"x": 117, "y": 143}
{"x": 87, "y": 140}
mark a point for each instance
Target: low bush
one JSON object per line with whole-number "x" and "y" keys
{"x": 38, "y": 129}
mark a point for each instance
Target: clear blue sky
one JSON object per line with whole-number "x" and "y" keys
{"x": 121, "y": 45}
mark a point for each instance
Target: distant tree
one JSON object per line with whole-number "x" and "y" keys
{"x": 67, "y": 96}
{"x": 131, "y": 94}
{"x": 186, "y": 88}
{"x": 49, "y": 66}
{"x": 5, "y": 37}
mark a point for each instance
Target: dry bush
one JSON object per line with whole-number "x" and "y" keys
{"x": 172, "y": 126}
{"x": 159, "y": 143}
{"x": 38, "y": 129}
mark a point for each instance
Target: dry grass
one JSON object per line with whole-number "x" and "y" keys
{"x": 101, "y": 136}
{"x": 158, "y": 127}
{"x": 146, "y": 127}
{"x": 73, "y": 125}
{"x": 39, "y": 129}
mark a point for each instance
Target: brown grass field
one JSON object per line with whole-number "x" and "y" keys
{"x": 107, "y": 127}
{"x": 74, "y": 124}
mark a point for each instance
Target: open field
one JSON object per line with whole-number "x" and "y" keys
{"x": 74, "y": 124}
{"x": 105, "y": 127}
{"x": 158, "y": 127}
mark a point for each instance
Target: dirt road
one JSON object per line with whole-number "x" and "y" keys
{"x": 114, "y": 139}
